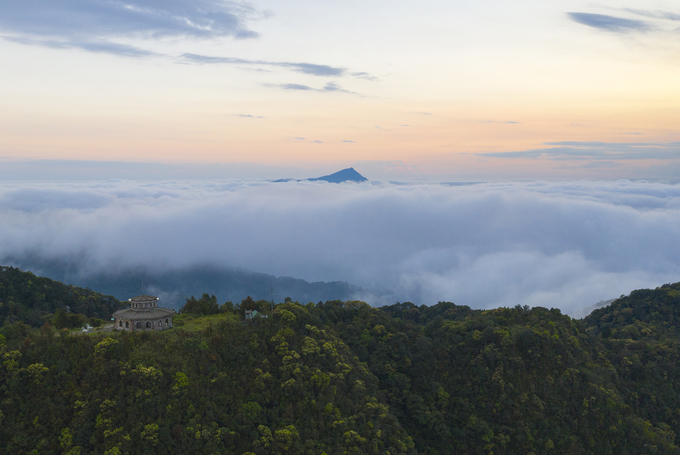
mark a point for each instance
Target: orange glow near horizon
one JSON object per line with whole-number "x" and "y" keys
{"x": 417, "y": 98}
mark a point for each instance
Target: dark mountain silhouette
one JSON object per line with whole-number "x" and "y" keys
{"x": 173, "y": 286}
{"x": 345, "y": 175}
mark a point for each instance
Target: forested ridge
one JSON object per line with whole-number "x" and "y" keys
{"x": 343, "y": 377}
{"x": 34, "y": 300}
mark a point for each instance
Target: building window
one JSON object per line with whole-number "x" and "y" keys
{"x": 127, "y": 325}
{"x": 166, "y": 321}
{"x": 139, "y": 325}
{"x": 148, "y": 325}
{"x": 120, "y": 323}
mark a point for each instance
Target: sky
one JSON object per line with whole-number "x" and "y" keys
{"x": 490, "y": 90}
{"x": 564, "y": 245}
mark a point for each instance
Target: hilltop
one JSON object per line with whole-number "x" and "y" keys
{"x": 345, "y": 175}
{"x": 33, "y": 300}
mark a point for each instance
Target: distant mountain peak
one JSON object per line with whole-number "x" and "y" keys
{"x": 345, "y": 175}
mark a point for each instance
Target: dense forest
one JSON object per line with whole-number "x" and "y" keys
{"x": 343, "y": 377}
{"x": 34, "y": 300}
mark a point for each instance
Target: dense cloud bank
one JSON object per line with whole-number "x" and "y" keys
{"x": 563, "y": 245}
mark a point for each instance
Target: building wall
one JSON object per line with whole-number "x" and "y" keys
{"x": 132, "y": 324}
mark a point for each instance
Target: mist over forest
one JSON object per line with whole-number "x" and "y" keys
{"x": 565, "y": 245}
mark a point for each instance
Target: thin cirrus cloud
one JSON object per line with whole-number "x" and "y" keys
{"x": 98, "y": 26}
{"x": 574, "y": 150}
{"x": 364, "y": 75}
{"x": 306, "y": 68}
{"x": 122, "y": 50}
{"x": 565, "y": 245}
{"x": 610, "y": 23}
{"x": 655, "y": 14}
{"x": 292, "y": 87}
{"x": 95, "y": 25}
{"x": 328, "y": 88}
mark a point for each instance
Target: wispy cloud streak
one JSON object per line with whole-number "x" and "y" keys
{"x": 69, "y": 19}
{"x": 248, "y": 116}
{"x": 305, "y": 68}
{"x": 610, "y": 23}
{"x": 570, "y": 150}
{"x": 328, "y": 88}
{"x": 98, "y": 25}
{"x": 122, "y": 50}
{"x": 655, "y": 14}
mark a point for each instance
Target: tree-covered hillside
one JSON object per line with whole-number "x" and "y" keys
{"x": 343, "y": 377}
{"x": 281, "y": 385}
{"x": 642, "y": 335}
{"x": 33, "y": 300}
{"x": 507, "y": 381}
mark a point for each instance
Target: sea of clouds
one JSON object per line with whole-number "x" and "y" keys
{"x": 564, "y": 245}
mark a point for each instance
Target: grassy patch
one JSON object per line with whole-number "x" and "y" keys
{"x": 193, "y": 323}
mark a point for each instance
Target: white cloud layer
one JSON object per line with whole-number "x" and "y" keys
{"x": 565, "y": 245}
